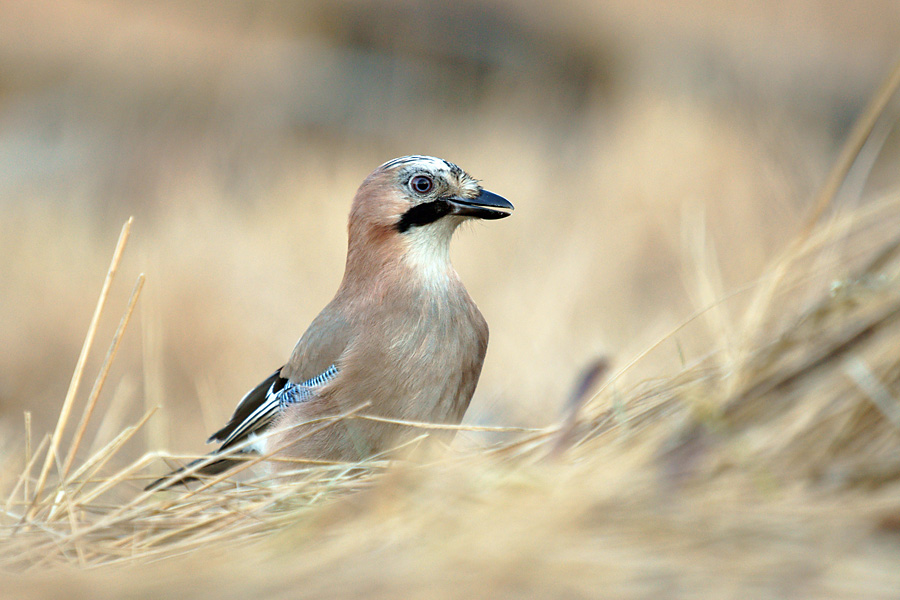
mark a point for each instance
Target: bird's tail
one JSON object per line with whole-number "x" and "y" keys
{"x": 213, "y": 468}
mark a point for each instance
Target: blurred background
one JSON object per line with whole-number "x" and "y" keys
{"x": 652, "y": 150}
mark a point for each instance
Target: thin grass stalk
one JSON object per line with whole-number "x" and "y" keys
{"x": 73, "y": 524}
{"x": 101, "y": 458}
{"x": 101, "y": 377}
{"x": 152, "y": 333}
{"x": 117, "y": 478}
{"x": 26, "y": 474}
{"x": 205, "y": 521}
{"x": 156, "y": 541}
{"x": 60, "y": 492}
{"x": 862, "y": 129}
{"x": 860, "y": 373}
{"x": 77, "y": 375}
{"x": 113, "y": 419}
{"x": 27, "y": 449}
{"x": 190, "y": 545}
{"x": 707, "y": 272}
{"x": 446, "y": 426}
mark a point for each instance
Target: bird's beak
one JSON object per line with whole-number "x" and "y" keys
{"x": 486, "y": 205}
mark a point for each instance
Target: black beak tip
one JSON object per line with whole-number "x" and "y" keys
{"x": 487, "y": 205}
{"x": 492, "y": 215}
{"x": 492, "y": 200}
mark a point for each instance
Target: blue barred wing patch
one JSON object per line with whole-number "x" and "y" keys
{"x": 292, "y": 393}
{"x": 281, "y": 394}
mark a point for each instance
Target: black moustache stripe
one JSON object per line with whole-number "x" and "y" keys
{"x": 423, "y": 214}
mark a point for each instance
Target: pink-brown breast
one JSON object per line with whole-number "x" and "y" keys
{"x": 416, "y": 355}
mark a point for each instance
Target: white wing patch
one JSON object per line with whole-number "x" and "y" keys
{"x": 278, "y": 397}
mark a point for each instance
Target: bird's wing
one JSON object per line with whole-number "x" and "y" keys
{"x": 261, "y": 404}
{"x": 311, "y": 365}
{"x": 322, "y": 345}
{"x": 254, "y": 413}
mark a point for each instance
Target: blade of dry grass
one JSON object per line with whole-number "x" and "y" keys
{"x": 868, "y": 382}
{"x": 446, "y": 426}
{"x": 860, "y": 133}
{"x": 78, "y": 373}
{"x": 706, "y": 284}
{"x": 101, "y": 377}
{"x": 97, "y": 462}
{"x": 152, "y": 363}
{"x": 115, "y": 416}
{"x": 27, "y": 448}
{"x": 26, "y": 474}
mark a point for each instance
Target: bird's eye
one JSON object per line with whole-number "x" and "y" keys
{"x": 421, "y": 184}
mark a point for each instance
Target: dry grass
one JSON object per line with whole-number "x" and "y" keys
{"x": 762, "y": 459}
{"x": 768, "y": 467}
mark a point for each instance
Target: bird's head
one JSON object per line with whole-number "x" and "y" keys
{"x": 414, "y": 204}
{"x": 423, "y": 192}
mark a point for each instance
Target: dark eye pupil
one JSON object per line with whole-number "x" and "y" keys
{"x": 421, "y": 184}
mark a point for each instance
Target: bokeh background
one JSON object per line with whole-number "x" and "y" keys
{"x": 658, "y": 154}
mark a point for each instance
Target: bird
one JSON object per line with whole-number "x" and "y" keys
{"x": 401, "y": 337}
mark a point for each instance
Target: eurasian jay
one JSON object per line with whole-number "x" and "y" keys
{"x": 401, "y": 336}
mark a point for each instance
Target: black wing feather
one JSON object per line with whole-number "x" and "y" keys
{"x": 254, "y": 412}
{"x": 273, "y": 384}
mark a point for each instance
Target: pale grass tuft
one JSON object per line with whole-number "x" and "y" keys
{"x": 811, "y": 424}
{"x": 767, "y": 466}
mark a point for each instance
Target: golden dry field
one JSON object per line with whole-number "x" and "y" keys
{"x": 707, "y": 204}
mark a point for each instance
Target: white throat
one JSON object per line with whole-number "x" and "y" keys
{"x": 428, "y": 251}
